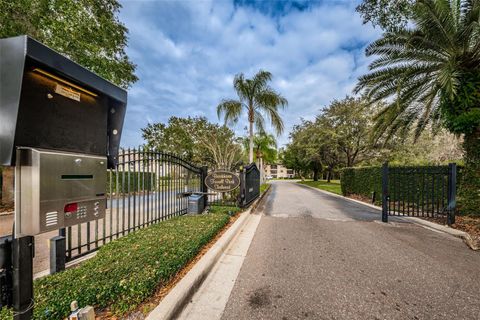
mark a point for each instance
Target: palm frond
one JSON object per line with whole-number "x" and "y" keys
{"x": 230, "y": 110}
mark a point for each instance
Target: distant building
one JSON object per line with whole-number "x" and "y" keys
{"x": 278, "y": 171}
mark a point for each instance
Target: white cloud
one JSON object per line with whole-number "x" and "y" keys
{"x": 187, "y": 53}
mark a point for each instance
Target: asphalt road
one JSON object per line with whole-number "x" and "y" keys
{"x": 316, "y": 256}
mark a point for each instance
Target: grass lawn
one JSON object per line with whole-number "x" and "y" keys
{"x": 127, "y": 271}
{"x": 263, "y": 187}
{"x": 333, "y": 186}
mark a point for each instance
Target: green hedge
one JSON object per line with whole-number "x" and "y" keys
{"x": 411, "y": 186}
{"x": 361, "y": 181}
{"x": 128, "y": 270}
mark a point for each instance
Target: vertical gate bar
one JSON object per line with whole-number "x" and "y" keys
{"x": 111, "y": 173}
{"x": 415, "y": 195}
{"x": 144, "y": 187}
{"x": 69, "y": 243}
{"x": 433, "y": 193}
{"x": 175, "y": 188}
{"x": 118, "y": 194}
{"x": 177, "y": 199}
{"x": 153, "y": 187}
{"x": 88, "y": 235}
{"x": 423, "y": 191}
{"x": 157, "y": 176}
{"x": 150, "y": 188}
{"x": 124, "y": 194}
{"x": 96, "y": 233}
{"x": 169, "y": 194}
{"x": 164, "y": 182}
{"x": 452, "y": 192}
{"x": 385, "y": 192}
{"x": 153, "y": 165}
{"x": 143, "y": 212}
{"x": 161, "y": 177}
{"x": 442, "y": 198}
{"x": 129, "y": 194}
{"x": 136, "y": 221}
{"x": 172, "y": 193}
{"x": 135, "y": 175}
{"x": 409, "y": 190}
{"x": 404, "y": 190}
{"x": 79, "y": 238}
{"x": 141, "y": 194}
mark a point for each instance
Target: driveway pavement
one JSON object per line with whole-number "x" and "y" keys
{"x": 316, "y": 256}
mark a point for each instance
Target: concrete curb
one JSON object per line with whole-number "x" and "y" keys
{"x": 423, "y": 223}
{"x": 179, "y": 296}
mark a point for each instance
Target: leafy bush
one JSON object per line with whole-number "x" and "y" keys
{"x": 128, "y": 270}
{"x": 362, "y": 181}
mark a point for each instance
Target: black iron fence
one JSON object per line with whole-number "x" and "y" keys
{"x": 145, "y": 188}
{"x": 426, "y": 191}
{"x": 148, "y": 187}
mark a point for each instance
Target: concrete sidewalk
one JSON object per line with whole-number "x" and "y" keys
{"x": 210, "y": 300}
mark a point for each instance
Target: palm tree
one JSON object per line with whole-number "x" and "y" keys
{"x": 264, "y": 149}
{"x": 259, "y": 100}
{"x": 430, "y": 74}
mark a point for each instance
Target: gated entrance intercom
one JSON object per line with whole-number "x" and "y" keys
{"x": 60, "y": 126}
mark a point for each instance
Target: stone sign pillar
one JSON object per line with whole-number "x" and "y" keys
{"x": 8, "y": 188}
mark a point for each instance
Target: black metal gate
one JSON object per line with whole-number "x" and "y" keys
{"x": 426, "y": 191}
{"x": 249, "y": 184}
{"x": 145, "y": 188}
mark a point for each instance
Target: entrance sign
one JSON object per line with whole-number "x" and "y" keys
{"x": 222, "y": 181}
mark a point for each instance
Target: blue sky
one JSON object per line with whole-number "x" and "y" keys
{"x": 187, "y": 53}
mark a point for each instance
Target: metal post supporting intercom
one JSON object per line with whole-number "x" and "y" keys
{"x": 60, "y": 127}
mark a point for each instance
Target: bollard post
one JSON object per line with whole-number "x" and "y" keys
{"x": 23, "y": 252}
{"x": 57, "y": 254}
{"x": 452, "y": 192}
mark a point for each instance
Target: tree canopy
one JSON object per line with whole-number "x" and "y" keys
{"x": 197, "y": 140}
{"x": 386, "y": 14}
{"x": 86, "y": 31}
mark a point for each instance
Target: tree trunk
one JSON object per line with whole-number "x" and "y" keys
{"x": 315, "y": 173}
{"x": 330, "y": 173}
{"x": 250, "y": 154}
{"x": 469, "y": 188}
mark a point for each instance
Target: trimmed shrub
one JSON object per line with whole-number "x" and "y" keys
{"x": 128, "y": 270}
{"x": 362, "y": 181}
